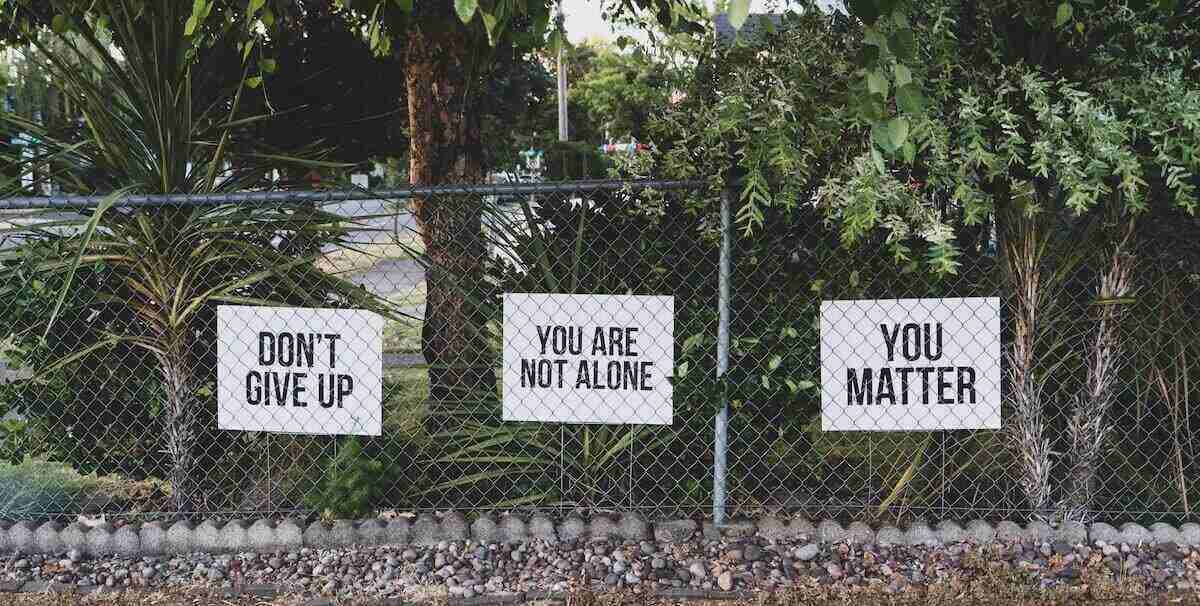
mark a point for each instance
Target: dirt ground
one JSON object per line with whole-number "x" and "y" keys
{"x": 997, "y": 592}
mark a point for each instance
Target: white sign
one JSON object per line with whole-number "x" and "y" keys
{"x": 292, "y": 370}
{"x": 910, "y": 364}
{"x": 588, "y": 358}
{"x": 360, "y": 180}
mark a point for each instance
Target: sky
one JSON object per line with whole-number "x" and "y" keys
{"x": 583, "y": 18}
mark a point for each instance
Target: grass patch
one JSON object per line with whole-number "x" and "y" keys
{"x": 404, "y": 335}
{"x": 405, "y": 391}
{"x": 34, "y": 488}
{"x": 363, "y": 257}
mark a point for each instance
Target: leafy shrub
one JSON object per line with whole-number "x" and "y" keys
{"x": 352, "y": 484}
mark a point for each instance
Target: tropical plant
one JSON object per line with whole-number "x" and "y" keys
{"x": 154, "y": 119}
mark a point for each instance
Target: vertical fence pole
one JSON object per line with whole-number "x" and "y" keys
{"x": 721, "y": 424}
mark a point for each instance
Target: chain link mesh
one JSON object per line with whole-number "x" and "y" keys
{"x": 107, "y": 411}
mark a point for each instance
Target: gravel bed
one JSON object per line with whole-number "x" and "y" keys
{"x": 750, "y": 564}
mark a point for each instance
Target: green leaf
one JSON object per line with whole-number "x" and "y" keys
{"x": 879, "y": 134}
{"x": 877, "y": 83}
{"x": 254, "y": 81}
{"x": 267, "y": 65}
{"x": 59, "y": 24}
{"x": 1065, "y": 11}
{"x": 904, "y": 44}
{"x": 868, "y": 56}
{"x": 910, "y": 99}
{"x": 897, "y": 129}
{"x": 739, "y": 10}
{"x": 489, "y": 24}
{"x": 902, "y": 73}
{"x": 405, "y": 5}
{"x": 253, "y": 7}
{"x": 775, "y": 361}
{"x": 909, "y": 151}
{"x": 190, "y": 27}
{"x": 466, "y": 9}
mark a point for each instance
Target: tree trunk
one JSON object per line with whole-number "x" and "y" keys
{"x": 181, "y": 425}
{"x": 444, "y": 147}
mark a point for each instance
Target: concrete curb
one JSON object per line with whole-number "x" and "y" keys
{"x": 266, "y": 536}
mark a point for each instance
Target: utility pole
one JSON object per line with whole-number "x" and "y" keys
{"x": 563, "y": 132}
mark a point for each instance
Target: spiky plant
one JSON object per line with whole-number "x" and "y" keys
{"x": 136, "y": 74}
{"x": 1090, "y": 421}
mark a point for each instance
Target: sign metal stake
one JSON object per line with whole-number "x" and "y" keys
{"x": 721, "y": 424}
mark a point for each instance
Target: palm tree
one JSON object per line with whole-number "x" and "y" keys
{"x": 160, "y": 113}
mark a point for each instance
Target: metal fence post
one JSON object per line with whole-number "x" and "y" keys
{"x": 721, "y": 424}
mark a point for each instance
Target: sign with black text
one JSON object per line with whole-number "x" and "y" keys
{"x": 588, "y": 358}
{"x": 298, "y": 370}
{"x": 910, "y": 364}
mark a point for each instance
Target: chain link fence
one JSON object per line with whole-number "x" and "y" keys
{"x": 110, "y": 340}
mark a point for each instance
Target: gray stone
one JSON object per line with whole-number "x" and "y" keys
{"x": 698, "y": 571}
{"x": 601, "y": 527}
{"x": 1072, "y": 532}
{"x": 709, "y": 531}
{"x": 980, "y": 532}
{"x": 1099, "y": 531}
{"x": 674, "y": 531}
{"x": 1190, "y": 532}
{"x": 289, "y": 535}
{"x": 633, "y": 526}
{"x": 21, "y": 537}
{"x": 343, "y": 533}
{"x": 737, "y": 529}
{"x": 1136, "y": 534}
{"x": 74, "y": 536}
{"x": 46, "y": 538}
{"x": 1009, "y": 532}
{"x": 572, "y": 528}
{"x": 5, "y": 545}
{"x": 801, "y": 527}
{"x": 1039, "y": 532}
{"x": 725, "y": 581}
{"x": 317, "y": 535}
{"x": 99, "y": 540}
{"x": 485, "y": 531}
{"x": 180, "y": 538}
{"x": 233, "y": 537}
{"x": 770, "y": 527}
{"x": 397, "y": 531}
{"x": 1165, "y": 533}
{"x": 513, "y": 529}
{"x": 260, "y": 537}
{"x": 425, "y": 531}
{"x": 829, "y": 531}
{"x": 859, "y": 533}
{"x": 126, "y": 541}
{"x": 454, "y": 527}
{"x": 153, "y": 538}
{"x": 541, "y": 528}
{"x": 890, "y": 535}
{"x": 807, "y": 552}
{"x": 371, "y": 531}
{"x": 207, "y": 536}
{"x": 949, "y": 532}
{"x": 919, "y": 533}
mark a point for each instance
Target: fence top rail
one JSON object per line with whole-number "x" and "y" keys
{"x": 342, "y": 195}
